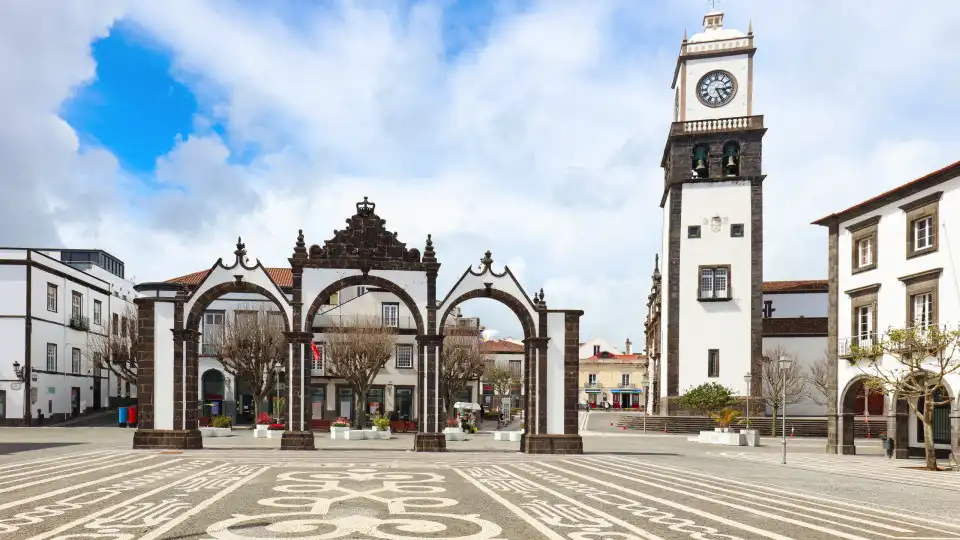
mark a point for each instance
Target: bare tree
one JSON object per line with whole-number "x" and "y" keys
{"x": 922, "y": 357}
{"x": 461, "y": 361}
{"x": 779, "y": 386}
{"x": 116, "y": 349}
{"x": 250, "y": 347}
{"x": 357, "y": 349}
{"x": 501, "y": 379}
{"x": 817, "y": 380}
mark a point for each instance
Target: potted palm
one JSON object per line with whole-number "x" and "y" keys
{"x": 724, "y": 418}
{"x": 752, "y": 435}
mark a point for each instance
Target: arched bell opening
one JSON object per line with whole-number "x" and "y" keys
{"x": 731, "y": 158}
{"x": 700, "y": 164}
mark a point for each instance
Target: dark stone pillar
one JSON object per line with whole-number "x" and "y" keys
{"x": 429, "y": 437}
{"x": 571, "y": 372}
{"x": 832, "y": 318}
{"x": 529, "y": 389}
{"x": 542, "y": 387}
{"x": 178, "y": 363}
{"x": 145, "y": 350}
{"x": 298, "y": 436}
{"x": 848, "y": 432}
{"x": 192, "y": 397}
{"x": 899, "y": 428}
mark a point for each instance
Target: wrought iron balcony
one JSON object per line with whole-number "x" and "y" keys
{"x": 627, "y": 385}
{"x": 593, "y": 386}
{"x": 79, "y": 323}
{"x": 864, "y": 345}
{"x": 738, "y": 123}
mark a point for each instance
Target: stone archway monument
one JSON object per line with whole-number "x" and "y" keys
{"x": 365, "y": 253}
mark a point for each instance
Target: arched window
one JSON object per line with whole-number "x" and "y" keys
{"x": 731, "y": 158}
{"x": 699, "y": 165}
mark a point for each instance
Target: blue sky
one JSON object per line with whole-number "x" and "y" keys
{"x": 162, "y": 131}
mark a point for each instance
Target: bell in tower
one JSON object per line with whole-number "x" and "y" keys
{"x": 731, "y": 159}
{"x": 700, "y": 167}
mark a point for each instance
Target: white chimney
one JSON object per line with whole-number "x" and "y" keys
{"x": 627, "y": 351}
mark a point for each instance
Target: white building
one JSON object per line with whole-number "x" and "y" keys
{"x": 713, "y": 216}
{"x": 891, "y": 265}
{"x": 795, "y": 325}
{"x": 51, "y": 303}
{"x": 595, "y": 346}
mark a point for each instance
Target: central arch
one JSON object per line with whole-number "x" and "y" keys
{"x": 857, "y": 399}
{"x": 352, "y": 281}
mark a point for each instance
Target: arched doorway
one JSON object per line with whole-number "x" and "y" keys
{"x": 212, "y": 395}
{"x": 858, "y": 400}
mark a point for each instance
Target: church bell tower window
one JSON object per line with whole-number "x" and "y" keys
{"x": 701, "y": 168}
{"x": 731, "y": 158}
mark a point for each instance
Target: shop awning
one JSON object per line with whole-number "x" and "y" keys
{"x": 626, "y": 391}
{"x": 592, "y": 390}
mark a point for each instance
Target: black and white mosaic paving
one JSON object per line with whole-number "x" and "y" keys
{"x": 254, "y": 494}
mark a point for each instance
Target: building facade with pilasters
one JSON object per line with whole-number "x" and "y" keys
{"x": 891, "y": 264}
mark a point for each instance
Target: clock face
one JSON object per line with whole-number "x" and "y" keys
{"x": 716, "y": 88}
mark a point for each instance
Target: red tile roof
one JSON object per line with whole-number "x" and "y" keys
{"x": 500, "y": 346}
{"x": 810, "y": 285}
{"x": 283, "y": 277}
{"x": 905, "y": 190}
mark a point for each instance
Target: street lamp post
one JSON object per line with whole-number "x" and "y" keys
{"x": 748, "y": 378}
{"x": 785, "y": 364}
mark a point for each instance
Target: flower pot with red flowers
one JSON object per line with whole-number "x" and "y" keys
{"x": 275, "y": 431}
{"x": 339, "y": 428}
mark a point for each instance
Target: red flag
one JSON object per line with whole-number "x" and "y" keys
{"x": 316, "y": 351}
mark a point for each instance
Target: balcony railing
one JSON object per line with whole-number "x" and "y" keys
{"x": 739, "y": 123}
{"x": 627, "y": 385}
{"x": 593, "y": 386}
{"x": 404, "y": 322}
{"x": 79, "y": 323}
{"x": 724, "y": 45}
{"x": 857, "y": 345}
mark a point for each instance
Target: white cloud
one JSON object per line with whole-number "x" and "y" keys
{"x": 542, "y": 143}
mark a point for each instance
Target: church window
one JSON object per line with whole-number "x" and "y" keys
{"x": 714, "y": 283}
{"x": 736, "y": 230}
{"x": 713, "y": 363}
{"x": 693, "y": 231}
{"x": 700, "y": 165}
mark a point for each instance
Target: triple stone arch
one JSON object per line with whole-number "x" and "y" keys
{"x": 551, "y": 337}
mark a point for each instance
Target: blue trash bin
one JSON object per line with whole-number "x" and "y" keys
{"x": 122, "y": 420}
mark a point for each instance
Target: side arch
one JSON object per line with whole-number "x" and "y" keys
{"x": 215, "y": 292}
{"x": 351, "y": 281}
{"x": 515, "y": 305}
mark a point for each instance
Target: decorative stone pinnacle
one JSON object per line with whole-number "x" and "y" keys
{"x": 429, "y": 255}
{"x": 241, "y": 251}
{"x": 543, "y": 297}
{"x": 487, "y": 260}
{"x": 536, "y": 299}
{"x": 300, "y": 250}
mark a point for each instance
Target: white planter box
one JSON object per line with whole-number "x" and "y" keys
{"x": 215, "y": 431}
{"x": 512, "y": 436}
{"x": 383, "y": 435}
{"x": 337, "y": 432}
{"x": 260, "y": 432}
{"x": 724, "y": 438}
{"x": 454, "y": 434}
{"x": 274, "y": 434}
{"x": 752, "y": 436}
{"x": 355, "y": 435}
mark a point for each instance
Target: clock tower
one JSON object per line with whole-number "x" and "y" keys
{"x": 712, "y": 217}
